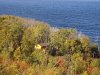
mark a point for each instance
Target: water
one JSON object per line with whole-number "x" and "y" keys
{"x": 82, "y": 15}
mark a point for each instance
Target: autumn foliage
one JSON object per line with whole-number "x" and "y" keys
{"x": 67, "y": 53}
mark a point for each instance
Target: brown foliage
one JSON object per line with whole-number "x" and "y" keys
{"x": 22, "y": 65}
{"x": 60, "y": 62}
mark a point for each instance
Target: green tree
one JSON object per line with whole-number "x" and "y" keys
{"x": 73, "y": 45}
{"x": 85, "y": 43}
{"x": 58, "y": 38}
{"x": 34, "y": 35}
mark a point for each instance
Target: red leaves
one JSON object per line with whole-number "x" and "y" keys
{"x": 22, "y": 65}
{"x": 60, "y": 62}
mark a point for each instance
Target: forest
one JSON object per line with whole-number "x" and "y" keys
{"x": 31, "y": 47}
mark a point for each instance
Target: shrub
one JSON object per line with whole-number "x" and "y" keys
{"x": 85, "y": 73}
{"x": 95, "y": 71}
{"x": 96, "y": 63}
{"x": 79, "y": 67}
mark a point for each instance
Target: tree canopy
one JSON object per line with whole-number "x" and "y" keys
{"x": 65, "y": 53}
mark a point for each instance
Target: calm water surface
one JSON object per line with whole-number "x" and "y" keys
{"x": 85, "y": 16}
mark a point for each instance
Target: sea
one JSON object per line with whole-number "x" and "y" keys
{"x": 81, "y": 15}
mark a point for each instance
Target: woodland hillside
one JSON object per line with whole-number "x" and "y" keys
{"x": 30, "y": 47}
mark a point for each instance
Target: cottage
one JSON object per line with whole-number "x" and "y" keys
{"x": 41, "y": 46}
